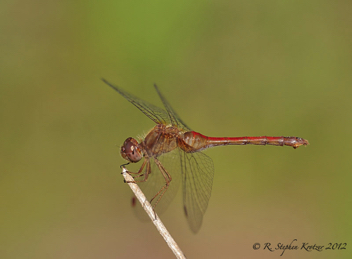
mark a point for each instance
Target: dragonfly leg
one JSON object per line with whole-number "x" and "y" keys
{"x": 123, "y": 165}
{"x": 140, "y": 172}
{"x": 163, "y": 189}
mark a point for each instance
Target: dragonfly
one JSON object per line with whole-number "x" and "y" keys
{"x": 171, "y": 136}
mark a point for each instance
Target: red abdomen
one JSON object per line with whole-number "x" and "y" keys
{"x": 192, "y": 141}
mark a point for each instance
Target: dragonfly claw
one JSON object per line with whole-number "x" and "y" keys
{"x": 123, "y": 165}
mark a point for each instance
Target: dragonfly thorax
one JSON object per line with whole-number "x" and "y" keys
{"x": 130, "y": 150}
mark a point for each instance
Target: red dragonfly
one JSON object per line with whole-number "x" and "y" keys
{"x": 172, "y": 138}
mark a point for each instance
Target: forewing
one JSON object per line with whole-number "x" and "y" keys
{"x": 174, "y": 118}
{"x": 156, "y": 114}
{"x": 197, "y": 181}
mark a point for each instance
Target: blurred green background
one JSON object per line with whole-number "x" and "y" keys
{"x": 229, "y": 68}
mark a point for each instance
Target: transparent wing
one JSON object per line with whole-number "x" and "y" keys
{"x": 173, "y": 117}
{"x": 156, "y": 181}
{"x": 197, "y": 181}
{"x": 156, "y": 114}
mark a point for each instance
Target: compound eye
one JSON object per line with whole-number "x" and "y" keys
{"x": 130, "y": 150}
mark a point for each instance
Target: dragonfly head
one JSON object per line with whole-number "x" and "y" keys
{"x": 130, "y": 150}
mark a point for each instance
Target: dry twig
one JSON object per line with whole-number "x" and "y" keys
{"x": 153, "y": 216}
